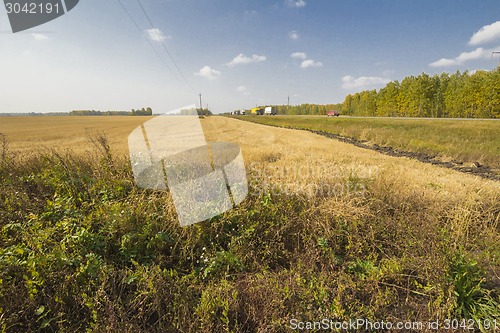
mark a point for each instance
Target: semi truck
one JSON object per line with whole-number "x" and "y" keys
{"x": 257, "y": 111}
{"x": 269, "y": 110}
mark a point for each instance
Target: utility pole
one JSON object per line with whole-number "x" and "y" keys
{"x": 493, "y": 53}
{"x": 201, "y": 105}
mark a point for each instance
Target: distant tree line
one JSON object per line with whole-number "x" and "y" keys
{"x": 33, "y": 114}
{"x": 459, "y": 95}
{"x": 200, "y": 112}
{"x": 142, "y": 112}
{"x": 303, "y": 109}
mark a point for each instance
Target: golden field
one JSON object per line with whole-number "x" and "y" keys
{"x": 27, "y": 134}
{"x": 322, "y": 158}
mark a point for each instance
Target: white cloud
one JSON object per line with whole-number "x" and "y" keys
{"x": 463, "y": 57}
{"x": 294, "y": 35}
{"x": 241, "y": 59}
{"x": 243, "y": 90}
{"x": 310, "y": 63}
{"x": 40, "y": 36}
{"x": 474, "y": 71}
{"x": 208, "y": 73}
{"x": 443, "y": 62}
{"x": 156, "y": 35}
{"x": 295, "y": 3}
{"x": 478, "y": 53}
{"x": 486, "y": 34}
{"x": 305, "y": 63}
{"x": 349, "y": 82}
{"x": 299, "y": 55}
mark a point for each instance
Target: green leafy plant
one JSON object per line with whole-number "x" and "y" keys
{"x": 473, "y": 299}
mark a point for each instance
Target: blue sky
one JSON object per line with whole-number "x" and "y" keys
{"x": 237, "y": 53}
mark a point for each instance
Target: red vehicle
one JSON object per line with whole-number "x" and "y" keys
{"x": 333, "y": 113}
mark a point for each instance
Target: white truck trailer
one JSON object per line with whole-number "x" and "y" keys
{"x": 270, "y": 110}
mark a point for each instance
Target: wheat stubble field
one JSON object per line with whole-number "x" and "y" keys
{"x": 329, "y": 230}
{"x": 28, "y": 134}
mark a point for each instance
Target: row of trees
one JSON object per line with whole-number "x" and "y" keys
{"x": 303, "y": 109}
{"x": 142, "y": 112}
{"x": 459, "y": 95}
{"x": 200, "y": 112}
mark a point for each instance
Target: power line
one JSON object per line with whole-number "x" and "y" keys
{"x": 163, "y": 44}
{"x": 147, "y": 39}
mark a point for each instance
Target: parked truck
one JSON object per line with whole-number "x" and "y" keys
{"x": 270, "y": 110}
{"x": 257, "y": 111}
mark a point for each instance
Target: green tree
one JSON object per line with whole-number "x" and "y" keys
{"x": 387, "y": 100}
{"x": 347, "y": 105}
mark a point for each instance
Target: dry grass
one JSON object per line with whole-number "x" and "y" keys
{"x": 462, "y": 140}
{"x": 312, "y": 158}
